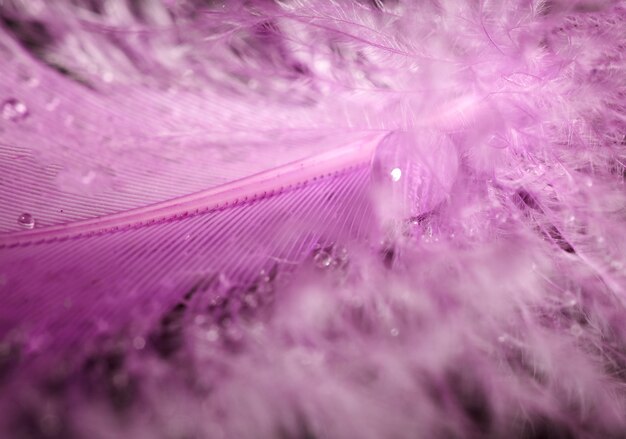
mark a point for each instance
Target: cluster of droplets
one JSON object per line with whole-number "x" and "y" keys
{"x": 220, "y": 318}
{"x": 106, "y": 372}
{"x": 330, "y": 257}
{"x": 14, "y": 110}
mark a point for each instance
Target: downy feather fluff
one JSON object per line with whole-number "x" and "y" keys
{"x": 312, "y": 219}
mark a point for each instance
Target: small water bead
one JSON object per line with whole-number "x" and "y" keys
{"x": 212, "y": 334}
{"x": 341, "y": 256}
{"x": 569, "y": 299}
{"x": 139, "y": 343}
{"x": 322, "y": 258}
{"x": 576, "y": 330}
{"x": 26, "y": 220}
{"x": 14, "y": 110}
{"x": 330, "y": 257}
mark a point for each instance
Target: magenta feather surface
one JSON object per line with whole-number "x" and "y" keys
{"x": 312, "y": 219}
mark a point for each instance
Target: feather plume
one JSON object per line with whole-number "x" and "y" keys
{"x": 312, "y": 219}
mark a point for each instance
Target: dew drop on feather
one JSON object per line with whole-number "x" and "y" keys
{"x": 26, "y": 220}
{"x": 322, "y": 259}
{"x": 412, "y": 172}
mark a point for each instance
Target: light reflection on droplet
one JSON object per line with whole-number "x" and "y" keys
{"x": 396, "y": 174}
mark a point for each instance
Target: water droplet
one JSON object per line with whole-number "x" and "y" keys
{"x": 268, "y": 276}
{"x": 26, "y": 220}
{"x": 341, "y": 256}
{"x": 250, "y": 300}
{"x": 411, "y": 173}
{"x": 330, "y": 257}
{"x": 14, "y": 110}
{"x": 394, "y": 332}
{"x": 222, "y": 285}
{"x": 212, "y": 334}
{"x": 576, "y": 330}
{"x": 139, "y": 343}
{"x": 322, "y": 258}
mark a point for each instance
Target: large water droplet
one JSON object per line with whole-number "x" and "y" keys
{"x": 26, "y": 220}
{"x": 14, "y": 110}
{"x": 411, "y": 173}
